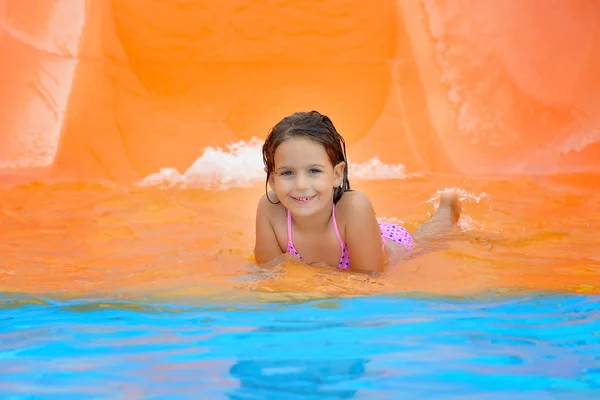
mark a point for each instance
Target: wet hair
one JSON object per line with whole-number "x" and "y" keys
{"x": 314, "y": 126}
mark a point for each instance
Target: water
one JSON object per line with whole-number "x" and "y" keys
{"x": 542, "y": 347}
{"x": 121, "y": 292}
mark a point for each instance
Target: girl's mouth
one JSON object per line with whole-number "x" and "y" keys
{"x": 303, "y": 200}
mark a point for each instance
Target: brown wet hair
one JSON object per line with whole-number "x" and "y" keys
{"x": 314, "y": 126}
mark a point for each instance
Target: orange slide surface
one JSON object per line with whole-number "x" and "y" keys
{"x": 120, "y": 89}
{"x": 114, "y": 91}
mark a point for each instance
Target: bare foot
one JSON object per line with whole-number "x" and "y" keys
{"x": 445, "y": 219}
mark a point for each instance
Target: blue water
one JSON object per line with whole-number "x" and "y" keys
{"x": 535, "y": 347}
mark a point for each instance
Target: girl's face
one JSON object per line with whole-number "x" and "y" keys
{"x": 303, "y": 177}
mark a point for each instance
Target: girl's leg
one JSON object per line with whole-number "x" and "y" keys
{"x": 444, "y": 220}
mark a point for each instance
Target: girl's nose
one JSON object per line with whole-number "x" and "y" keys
{"x": 301, "y": 182}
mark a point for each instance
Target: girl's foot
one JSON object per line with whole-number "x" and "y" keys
{"x": 444, "y": 220}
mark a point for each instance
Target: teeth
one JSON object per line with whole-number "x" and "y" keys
{"x": 302, "y": 198}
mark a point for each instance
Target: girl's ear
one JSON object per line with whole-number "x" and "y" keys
{"x": 271, "y": 180}
{"x": 338, "y": 174}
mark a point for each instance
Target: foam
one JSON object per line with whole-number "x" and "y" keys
{"x": 241, "y": 165}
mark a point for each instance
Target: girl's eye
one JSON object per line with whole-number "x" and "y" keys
{"x": 314, "y": 171}
{"x": 286, "y": 173}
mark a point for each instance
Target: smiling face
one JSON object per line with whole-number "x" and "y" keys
{"x": 304, "y": 177}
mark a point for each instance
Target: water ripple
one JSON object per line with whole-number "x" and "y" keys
{"x": 544, "y": 346}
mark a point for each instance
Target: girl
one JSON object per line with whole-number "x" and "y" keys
{"x": 312, "y": 214}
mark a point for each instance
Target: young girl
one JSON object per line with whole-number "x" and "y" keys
{"x": 312, "y": 214}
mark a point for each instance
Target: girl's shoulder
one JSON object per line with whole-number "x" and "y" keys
{"x": 269, "y": 205}
{"x": 353, "y": 200}
{"x": 354, "y": 206}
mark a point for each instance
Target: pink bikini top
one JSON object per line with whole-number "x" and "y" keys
{"x": 344, "y": 259}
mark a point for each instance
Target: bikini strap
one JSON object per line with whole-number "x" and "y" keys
{"x": 289, "y": 227}
{"x": 335, "y": 227}
{"x": 337, "y": 232}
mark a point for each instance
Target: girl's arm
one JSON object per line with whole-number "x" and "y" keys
{"x": 363, "y": 235}
{"x": 266, "y": 247}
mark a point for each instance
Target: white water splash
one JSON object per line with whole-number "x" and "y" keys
{"x": 241, "y": 165}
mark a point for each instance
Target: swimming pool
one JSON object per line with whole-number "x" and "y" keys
{"x": 541, "y": 346}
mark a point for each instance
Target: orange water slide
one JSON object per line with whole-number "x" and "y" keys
{"x": 118, "y": 89}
